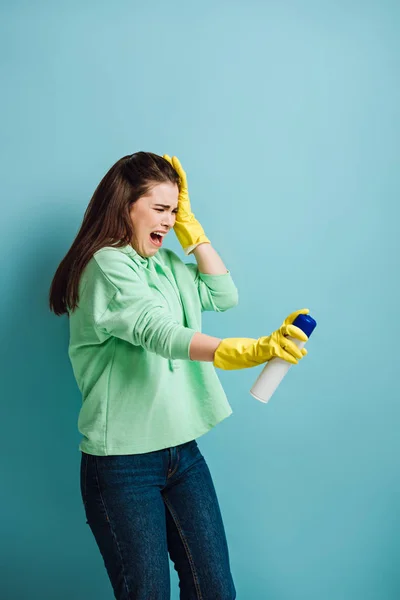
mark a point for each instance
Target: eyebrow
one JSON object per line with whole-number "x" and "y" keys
{"x": 164, "y": 205}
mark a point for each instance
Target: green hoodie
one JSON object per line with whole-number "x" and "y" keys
{"x": 129, "y": 349}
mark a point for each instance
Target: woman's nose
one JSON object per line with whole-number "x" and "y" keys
{"x": 169, "y": 220}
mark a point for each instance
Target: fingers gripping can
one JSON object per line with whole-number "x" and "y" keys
{"x": 276, "y": 368}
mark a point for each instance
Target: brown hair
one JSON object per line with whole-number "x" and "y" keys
{"x": 106, "y": 221}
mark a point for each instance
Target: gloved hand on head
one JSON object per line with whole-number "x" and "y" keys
{"x": 187, "y": 228}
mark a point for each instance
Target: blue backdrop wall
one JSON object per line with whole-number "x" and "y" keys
{"x": 285, "y": 116}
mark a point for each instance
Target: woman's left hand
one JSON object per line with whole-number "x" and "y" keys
{"x": 187, "y": 228}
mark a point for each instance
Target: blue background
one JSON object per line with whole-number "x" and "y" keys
{"x": 285, "y": 116}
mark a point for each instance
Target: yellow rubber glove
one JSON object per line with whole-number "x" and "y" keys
{"x": 242, "y": 353}
{"x": 187, "y": 228}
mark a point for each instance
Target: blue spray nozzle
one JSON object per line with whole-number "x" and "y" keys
{"x": 305, "y": 323}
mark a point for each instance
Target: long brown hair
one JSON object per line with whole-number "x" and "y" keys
{"x": 107, "y": 221}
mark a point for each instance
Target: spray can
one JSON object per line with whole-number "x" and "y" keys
{"x": 276, "y": 368}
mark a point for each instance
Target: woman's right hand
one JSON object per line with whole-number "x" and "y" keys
{"x": 242, "y": 353}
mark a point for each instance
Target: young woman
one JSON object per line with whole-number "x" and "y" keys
{"x": 148, "y": 382}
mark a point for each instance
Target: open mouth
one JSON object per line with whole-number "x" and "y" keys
{"x": 156, "y": 239}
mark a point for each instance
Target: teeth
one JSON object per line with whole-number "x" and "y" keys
{"x": 162, "y": 233}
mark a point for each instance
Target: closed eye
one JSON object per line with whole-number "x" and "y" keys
{"x": 162, "y": 210}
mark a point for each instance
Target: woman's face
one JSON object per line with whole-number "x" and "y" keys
{"x": 156, "y": 211}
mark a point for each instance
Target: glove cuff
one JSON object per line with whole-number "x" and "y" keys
{"x": 190, "y": 234}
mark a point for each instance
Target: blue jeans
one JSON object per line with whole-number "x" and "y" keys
{"x": 142, "y": 507}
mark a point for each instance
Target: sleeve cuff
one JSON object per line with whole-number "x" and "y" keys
{"x": 219, "y": 283}
{"x": 181, "y": 343}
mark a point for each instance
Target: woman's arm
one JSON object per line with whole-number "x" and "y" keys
{"x": 208, "y": 260}
{"x": 203, "y": 347}
{"x": 241, "y": 353}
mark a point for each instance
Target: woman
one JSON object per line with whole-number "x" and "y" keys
{"x": 147, "y": 378}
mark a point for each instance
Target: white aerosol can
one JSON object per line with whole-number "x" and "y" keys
{"x": 276, "y": 368}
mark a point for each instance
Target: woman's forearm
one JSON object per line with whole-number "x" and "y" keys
{"x": 203, "y": 347}
{"x": 208, "y": 260}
